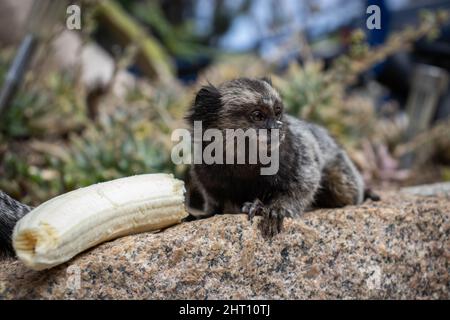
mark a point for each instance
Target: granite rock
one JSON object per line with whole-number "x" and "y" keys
{"x": 396, "y": 248}
{"x": 435, "y": 189}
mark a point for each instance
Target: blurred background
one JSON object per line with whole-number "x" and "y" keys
{"x": 97, "y": 103}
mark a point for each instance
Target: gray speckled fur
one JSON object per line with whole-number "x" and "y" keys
{"x": 10, "y": 212}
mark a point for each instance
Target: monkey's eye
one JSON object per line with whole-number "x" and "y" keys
{"x": 258, "y": 116}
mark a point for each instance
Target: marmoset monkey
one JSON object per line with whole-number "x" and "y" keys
{"x": 314, "y": 171}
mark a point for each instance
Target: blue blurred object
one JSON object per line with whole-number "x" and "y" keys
{"x": 188, "y": 69}
{"x": 376, "y": 37}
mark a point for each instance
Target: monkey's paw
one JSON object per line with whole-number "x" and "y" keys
{"x": 272, "y": 217}
{"x": 253, "y": 209}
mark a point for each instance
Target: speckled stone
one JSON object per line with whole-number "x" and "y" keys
{"x": 396, "y": 248}
{"x": 435, "y": 189}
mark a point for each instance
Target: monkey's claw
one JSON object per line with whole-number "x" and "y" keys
{"x": 253, "y": 209}
{"x": 272, "y": 223}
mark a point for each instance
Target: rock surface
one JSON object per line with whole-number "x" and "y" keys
{"x": 396, "y": 248}
{"x": 440, "y": 189}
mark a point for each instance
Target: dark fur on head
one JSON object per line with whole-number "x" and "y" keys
{"x": 313, "y": 169}
{"x": 207, "y": 104}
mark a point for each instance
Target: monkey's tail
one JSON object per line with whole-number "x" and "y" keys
{"x": 369, "y": 194}
{"x": 10, "y": 212}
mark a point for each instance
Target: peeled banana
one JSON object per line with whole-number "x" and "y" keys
{"x": 64, "y": 226}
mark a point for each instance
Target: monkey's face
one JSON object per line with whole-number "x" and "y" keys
{"x": 252, "y": 104}
{"x": 249, "y": 104}
{"x": 241, "y": 104}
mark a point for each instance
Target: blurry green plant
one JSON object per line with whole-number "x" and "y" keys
{"x": 309, "y": 94}
{"x": 446, "y": 174}
{"x": 305, "y": 90}
{"x": 23, "y": 180}
{"x": 39, "y": 106}
{"x": 118, "y": 146}
{"x": 319, "y": 95}
{"x": 179, "y": 40}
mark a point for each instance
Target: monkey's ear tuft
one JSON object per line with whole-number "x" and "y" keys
{"x": 267, "y": 79}
{"x": 206, "y": 105}
{"x": 206, "y": 95}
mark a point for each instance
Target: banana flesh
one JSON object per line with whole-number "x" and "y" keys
{"x": 62, "y": 227}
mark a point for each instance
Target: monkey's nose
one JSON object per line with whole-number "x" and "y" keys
{"x": 274, "y": 124}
